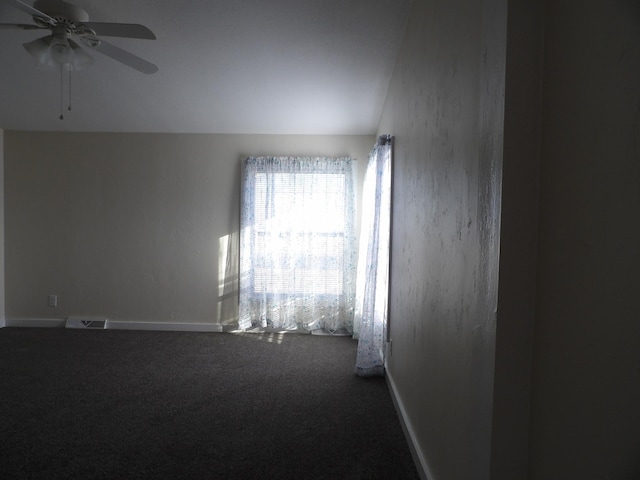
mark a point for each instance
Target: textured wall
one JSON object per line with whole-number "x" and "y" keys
{"x": 586, "y": 382}
{"x": 445, "y": 108}
{"x": 132, "y": 226}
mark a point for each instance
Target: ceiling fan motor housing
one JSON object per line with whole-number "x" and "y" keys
{"x": 64, "y": 13}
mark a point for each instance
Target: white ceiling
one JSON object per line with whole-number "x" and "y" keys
{"x": 225, "y": 66}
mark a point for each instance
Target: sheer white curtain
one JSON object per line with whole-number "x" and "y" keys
{"x": 370, "y": 319}
{"x": 297, "y": 244}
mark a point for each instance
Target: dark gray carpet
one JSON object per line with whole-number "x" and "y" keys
{"x": 112, "y": 404}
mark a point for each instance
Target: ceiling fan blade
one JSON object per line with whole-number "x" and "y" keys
{"x": 20, "y": 5}
{"x": 20, "y": 26}
{"x": 127, "y": 30}
{"x": 119, "y": 55}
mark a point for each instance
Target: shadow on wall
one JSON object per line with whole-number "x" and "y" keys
{"x": 228, "y": 274}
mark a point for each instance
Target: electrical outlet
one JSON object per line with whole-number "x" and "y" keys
{"x": 53, "y": 300}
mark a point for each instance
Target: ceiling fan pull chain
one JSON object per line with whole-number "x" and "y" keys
{"x": 61, "y": 90}
{"x": 69, "y": 108}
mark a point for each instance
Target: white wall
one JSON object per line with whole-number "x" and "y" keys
{"x": 586, "y": 382}
{"x": 133, "y": 226}
{"x": 445, "y": 109}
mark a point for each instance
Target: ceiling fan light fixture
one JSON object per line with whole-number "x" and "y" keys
{"x": 79, "y": 58}
{"x": 60, "y": 50}
{"x": 57, "y": 51}
{"x": 39, "y": 50}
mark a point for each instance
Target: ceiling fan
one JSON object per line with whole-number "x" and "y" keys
{"x": 71, "y": 30}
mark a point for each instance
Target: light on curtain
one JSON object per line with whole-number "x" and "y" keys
{"x": 298, "y": 245}
{"x": 370, "y": 319}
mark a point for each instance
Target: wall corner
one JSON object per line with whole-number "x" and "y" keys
{"x": 2, "y": 296}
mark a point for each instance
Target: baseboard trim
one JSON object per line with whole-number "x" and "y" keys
{"x": 117, "y": 325}
{"x": 418, "y": 457}
{"x": 35, "y": 322}
{"x": 164, "y": 326}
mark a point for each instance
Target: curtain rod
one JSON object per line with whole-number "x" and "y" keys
{"x": 384, "y": 139}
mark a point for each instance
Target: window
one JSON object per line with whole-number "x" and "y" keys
{"x": 298, "y": 243}
{"x": 315, "y": 248}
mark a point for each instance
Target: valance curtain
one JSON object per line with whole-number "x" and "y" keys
{"x": 370, "y": 319}
{"x": 297, "y": 244}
